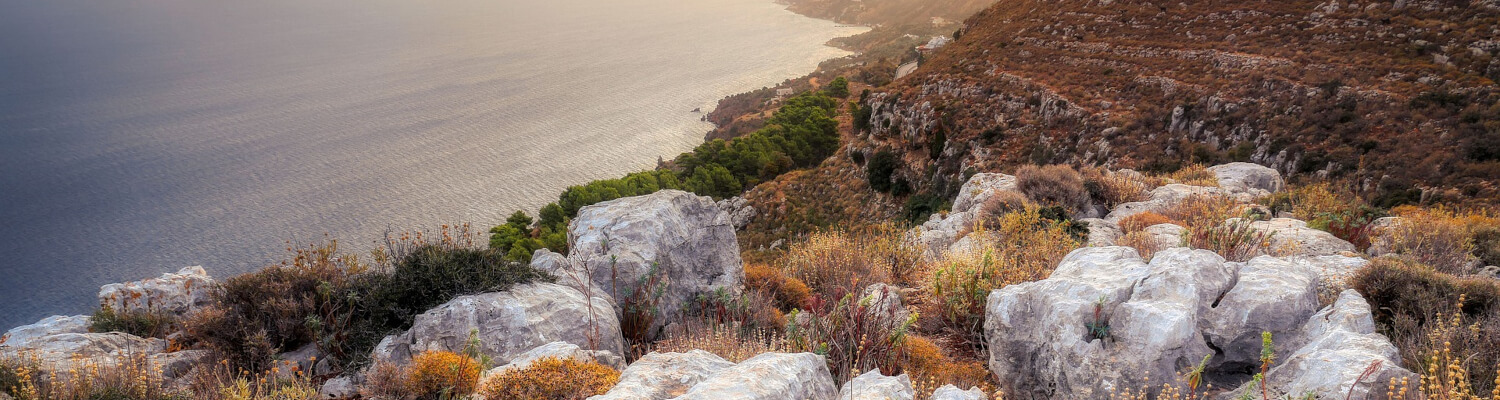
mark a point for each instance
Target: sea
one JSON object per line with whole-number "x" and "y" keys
{"x": 138, "y": 137}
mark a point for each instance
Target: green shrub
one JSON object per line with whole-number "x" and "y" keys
{"x": 880, "y": 169}
{"x": 839, "y": 88}
{"x": 155, "y": 324}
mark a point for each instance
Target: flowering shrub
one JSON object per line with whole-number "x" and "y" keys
{"x": 442, "y": 374}
{"x": 552, "y": 379}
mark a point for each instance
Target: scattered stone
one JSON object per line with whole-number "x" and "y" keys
{"x": 874, "y": 386}
{"x": 769, "y": 376}
{"x": 1166, "y": 236}
{"x": 1102, "y": 233}
{"x": 950, "y": 392}
{"x": 1162, "y": 199}
{"x": 740, "y": 212}
{"x": 1242, "y": 177}
{"x": 175, "y": 293}
{"x": 1293, "y": 237}
{"x": 177, "y": 364}
{"x": 342, "y": 387}
{"x": 509, "y": 323}
{"x": 64, "y": 351}
{"x": 662, "y": 376}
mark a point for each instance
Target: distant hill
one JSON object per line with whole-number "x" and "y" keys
{"x": 888, "y": 12}
{"x": 1393, "y": 97}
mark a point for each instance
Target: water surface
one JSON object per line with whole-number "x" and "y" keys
{"x": 141, "y": 136}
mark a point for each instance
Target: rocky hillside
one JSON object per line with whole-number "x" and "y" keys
{"x": 888, "y": 12}
{"x": 1392, "y": 96}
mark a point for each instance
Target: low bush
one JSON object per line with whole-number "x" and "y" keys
{"x": 1111, "y": 189}
{"x": 442, "y": 375}
{"x": 1427, "y": 314}
{"x": 1143, "y": 243}
{"x": 1204, "y": 211}
{"x": 342, "y": 304}
{"x": 788, "y": 292}
{"x": 852, "y": 333}
{"x": 1057, "y": 185}
{"x": 155, "y": 324}
{"x": 552, "y": 379}
{"x": 1195, "y": 175}
{"x": 930, "y": 369}
{"x": 751, "y": 310}
{"x": 995, "y": 208}
{"x": 1329, "y": 208}
{"x": 1235, "y": 240}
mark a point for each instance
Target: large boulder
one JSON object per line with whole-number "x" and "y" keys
{"x": 510, "y": 323}
{"x": 1293, "y": 237}
{"x": 1340, "y": 356}
{"x": 685, "y": 240}
{"x": 175, "y": 293}
{"x": 769, "y": 376}
{"x": 662, "y": 376}
{"x": 1242, "y": 177}
{"x": 1105, "y": 320}
{"x": 874, "y": 386}
{"x": 1271, "y": 295}
{"x": 57, "y": 324}
{"x": 884, "y": 304}
{"x": 1162, "y": 199}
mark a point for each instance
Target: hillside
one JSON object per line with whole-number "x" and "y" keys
{"x": 1391, "y": 97}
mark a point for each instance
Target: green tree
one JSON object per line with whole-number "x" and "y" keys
{"x": 838, "y": 88}
{"x": 879, "y": 170}
{"x": 715, "y": 181}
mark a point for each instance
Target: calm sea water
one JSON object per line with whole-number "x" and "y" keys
{"x": 141, "y": 136}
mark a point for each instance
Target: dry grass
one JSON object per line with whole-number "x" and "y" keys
{"x": 1442, "y": 238}
{"x": 1195, "y": 175}
{"x": 1327, "y": 207}
{"x": 730, "y": 342}
{"x": 1144, "y": 243}
{"x": 552, "y": 379}
{"x": 1111, "y": 189}
{"x": 133, "y": 377}
{"x": 838, "y": 262}
{"x": 1023, "y": 248}
{"x": 1435, "y": 318}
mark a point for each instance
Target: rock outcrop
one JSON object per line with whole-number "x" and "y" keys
{"x": 1105, "y": 320}
{"x": 1341, "y": 356}
{"x": 1102, "y": 233}
{"x": 175, "y": 293}
{"x": 770, "y": 376}
{"x": 739, "y": 210}
{"x": 942, "y": 230}
{"x": 57, "y": 324}
{"x": 683, "y": 239}
{"x": 509, "y": 324}
{"x": 662, "y": 376}
{"x": 874, "y": 386}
